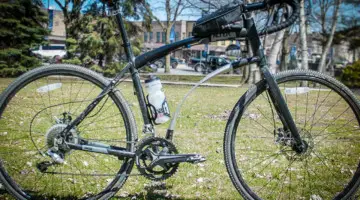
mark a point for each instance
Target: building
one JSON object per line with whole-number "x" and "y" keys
{"x": 57, "y": 35}
{"x": 183, "y": 29}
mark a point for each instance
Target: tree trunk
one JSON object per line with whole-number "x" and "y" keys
{"x": 354, "y": 55}
{"x": 245, "y": 74}
{"x": 303, "y": 42}
{"x": 167, "y": 58}
{"x": 275, "y": 48}
{"x": 254, "y": 73}
{"x": 330, "y": 37}
{"x": 285, "y": 50}
{"x": 101, "y": 59}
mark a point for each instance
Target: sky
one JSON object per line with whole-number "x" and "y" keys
{"x": 188, "y": 15}
{"x": 193, "y": 15}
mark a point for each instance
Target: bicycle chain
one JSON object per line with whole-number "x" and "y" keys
{"x": 84, "y": 174}
{"x": 156, "y": 176}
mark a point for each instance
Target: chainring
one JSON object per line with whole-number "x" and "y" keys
{"x": 147, "y": 151}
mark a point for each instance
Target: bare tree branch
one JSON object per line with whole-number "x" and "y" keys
{"x": 149, "y": 12}
{"x": 176, "y": 12}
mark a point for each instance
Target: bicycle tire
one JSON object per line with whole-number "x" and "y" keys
{"x": 253, "y": 181}
{"x": 66, "y": 75}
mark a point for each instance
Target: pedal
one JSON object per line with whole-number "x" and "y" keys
{"x": 43, "y": 166}
{"x": 197, "y": 158}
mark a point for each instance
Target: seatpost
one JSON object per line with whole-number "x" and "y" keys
{"x": 274, "y": 91}
{"x": 148, "y": 128}
{"x": 127, "y": 45}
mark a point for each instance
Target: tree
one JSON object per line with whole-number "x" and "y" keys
{"x": 72, "y": 20}
{"x": 349, "y": 28}
{"x": 352, "y": 35}
{"x": 303, "y": 40}
{"x": 330, "y": 35}
{"x": 285, "y": 50}
{"x": 22, "y": 27}
{"x": 351, "y": 75}
{"x": 93, "y": 35}
{"x": 274, "y": 52}
{"x": 173, "y": 9}
{"x": 100, "y": 39}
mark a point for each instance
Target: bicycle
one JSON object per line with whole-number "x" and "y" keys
{"x": 311, "y": 149}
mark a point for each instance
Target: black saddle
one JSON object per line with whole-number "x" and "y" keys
{"x": 218, "y": 21}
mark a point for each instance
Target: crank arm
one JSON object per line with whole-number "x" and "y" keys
{"x": 178, "y": 158}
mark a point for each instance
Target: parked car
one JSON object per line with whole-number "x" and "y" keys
{"x": 160, "y": 63}
{"x": 206, "y": 65}
{"x": 54, "y": 52}
{"x": 193, "y": 62}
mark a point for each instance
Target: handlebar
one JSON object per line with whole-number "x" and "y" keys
{"x": 294, "y": 4}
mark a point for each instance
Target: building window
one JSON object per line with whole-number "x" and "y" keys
{"x": 158, "y": 37}
{"x": 177, "y": 36}
{"x": 190, "y": 34}
{"x": 163, "y": 37}
{"x": 145, "y": 36}
{"x": 223, "y": 42}
{"x": 150, "y": 36}
{"x": 183, "y": 35}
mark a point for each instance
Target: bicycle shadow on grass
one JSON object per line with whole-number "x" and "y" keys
{"x": 153, "y": 190}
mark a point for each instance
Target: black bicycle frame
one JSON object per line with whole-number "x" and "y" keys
{"x": 135, "y": 63}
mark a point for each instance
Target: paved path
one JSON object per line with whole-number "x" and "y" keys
{"x": 191, "y": 84}
{"x": 181, "y": 69}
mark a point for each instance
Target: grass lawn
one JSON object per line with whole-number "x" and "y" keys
{"x": 200, "y": 129}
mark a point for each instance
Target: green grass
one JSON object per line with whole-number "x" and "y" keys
{"x": 200, "y": 129}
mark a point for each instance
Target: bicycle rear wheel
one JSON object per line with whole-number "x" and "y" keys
{"x": 33, "y": 111}
{"x": 258, "y": 156}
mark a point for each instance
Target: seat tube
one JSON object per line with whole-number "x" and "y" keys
{"x": 273, "y": 88}
{"x": 134, "y": 72}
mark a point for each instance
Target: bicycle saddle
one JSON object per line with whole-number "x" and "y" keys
{"x": 218, "y": 21}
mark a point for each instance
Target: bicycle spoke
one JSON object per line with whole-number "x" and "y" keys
{"x": 318, "y": 107}
{"x": 49, "y": 115}
{"x": 250, "y": 181}
{"x": 327, "y": 125}
{"x": 34, "y": 119}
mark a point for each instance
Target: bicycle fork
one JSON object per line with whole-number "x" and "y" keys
{"x": 273, "y": 88}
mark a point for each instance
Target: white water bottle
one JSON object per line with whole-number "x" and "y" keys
{"x": 157, "y": 100}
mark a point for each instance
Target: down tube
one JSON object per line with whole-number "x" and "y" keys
{"x": 237, "y": 64}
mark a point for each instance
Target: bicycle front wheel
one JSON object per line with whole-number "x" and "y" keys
{"x": 258, "y": 153}
{"x": 35, "y": 108}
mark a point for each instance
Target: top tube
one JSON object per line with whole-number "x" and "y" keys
{"x": 155, "y": 54}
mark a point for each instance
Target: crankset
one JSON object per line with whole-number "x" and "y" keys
{"x": 158, "y": 159}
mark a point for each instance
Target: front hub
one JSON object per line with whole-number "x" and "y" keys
{"x": 300, "y": 148}
{"x": 290, "y": 149}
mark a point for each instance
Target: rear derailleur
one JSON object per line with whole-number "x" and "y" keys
{"x": 56, "y": 143}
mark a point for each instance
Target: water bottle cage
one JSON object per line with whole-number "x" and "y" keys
{"x": 153, "y": 112}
